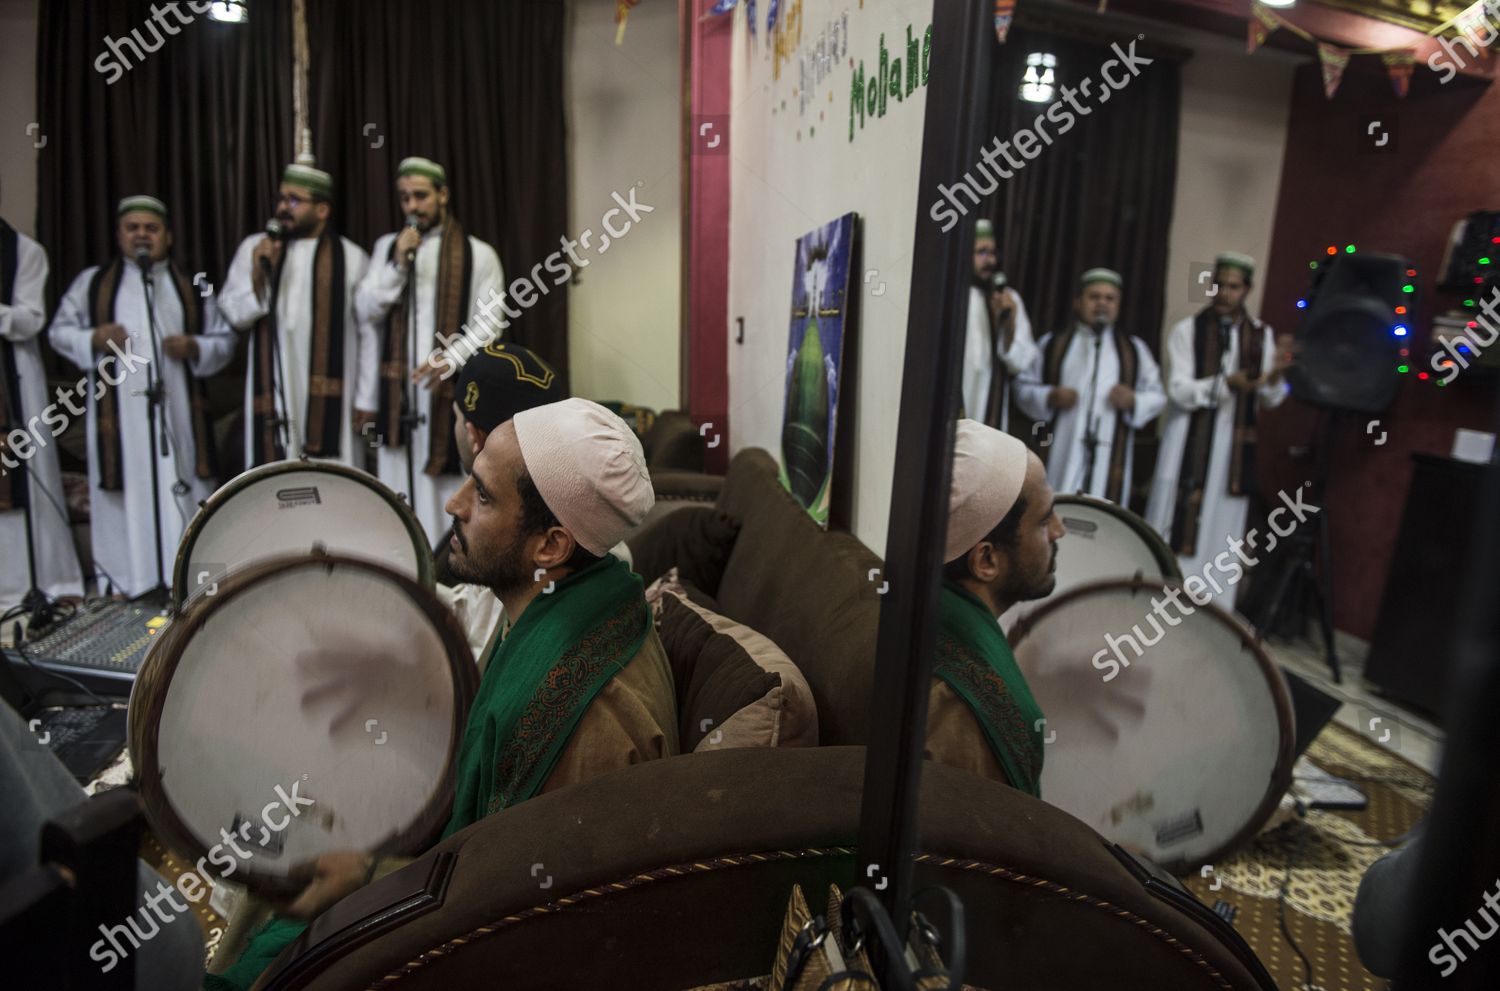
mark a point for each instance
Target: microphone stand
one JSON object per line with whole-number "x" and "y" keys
{"x": 36, "y": 603}
{"x": 410, "y": 417}
{"x": 154, "y": 414}
{"x": 282, "y": 417}
{"x": 1091, "y": 435}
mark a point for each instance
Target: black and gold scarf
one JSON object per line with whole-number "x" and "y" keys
{"x": 325, "y": 359}
{"x": 14, "y": 492}
{"x": 1192, "y": 476}
{"x": 1052, "y": 361}
{"x": 104, "y": 289}
{"x": 454, "y": 275}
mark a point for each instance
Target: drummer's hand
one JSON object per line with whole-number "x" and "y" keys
{"x": 429, "y": 373}
{"x": 338, "y": 682}
{"x": 335, "y": 876}
{"x": 1122, "y": 398}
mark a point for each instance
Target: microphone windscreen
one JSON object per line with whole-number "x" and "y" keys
{"x": 413, "y": 220}
{"x": 274, "y": 230}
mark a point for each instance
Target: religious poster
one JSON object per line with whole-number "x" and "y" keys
{"x": 815, "y": 361}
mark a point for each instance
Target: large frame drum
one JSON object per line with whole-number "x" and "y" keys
{"x": 306, "y": 705}
{"x": 1180, "y": 750}
{"x": 288, "y": 508}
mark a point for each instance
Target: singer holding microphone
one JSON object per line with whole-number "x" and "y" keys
{"x": 151, "y": 456}
{"x": 311, "y": 384}
{"x": 1223, "y": 367}
{"x": 424, "y": 285}
{"x": 1091, "y": 386}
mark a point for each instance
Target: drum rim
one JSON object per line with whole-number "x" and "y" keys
{"x": 208, "y": 507}
{"x": 1281, "y": 772}
{"x": 143, "y": 741}
{"x": 1166, "y": 558}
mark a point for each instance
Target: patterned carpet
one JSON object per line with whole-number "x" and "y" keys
{"x": 1330, "y": 852}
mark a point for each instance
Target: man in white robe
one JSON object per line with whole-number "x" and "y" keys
{"x": 1200, "y": 495}
{"x": 411, "y": 384}
{"x": 318, "y": 397}
{"x": 102, "y": 327}
{"x": 1094, "y": 386}
{"x": 998, "y": 344}
{"x": 29, "y": 458}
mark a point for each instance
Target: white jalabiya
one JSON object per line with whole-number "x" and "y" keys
{"x": 978, "y": 368}
{"x": 122, "y": 523}
{"x": 57, "y": 571}
{"x": 380, "y": 290}
{"x": 1223, "y": 514}
{"x": 294, "y": 316}
{"x": 1067, "y": 460}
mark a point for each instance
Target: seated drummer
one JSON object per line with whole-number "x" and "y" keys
{"x": 1002, "y": 549}
{"x": 579, "y": 665}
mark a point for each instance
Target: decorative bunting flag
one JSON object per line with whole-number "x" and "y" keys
{"x": 1399, "y": 65}
{"x": 771, "y": 17}
{"x": 1263, "y": 20}
{"x": 1334, "y": 60}
{"x": 723, "y": 7}
{"x": 1004, "y": 11}
{"x": 750, "y": 17}
{"x": 622, "y": 11}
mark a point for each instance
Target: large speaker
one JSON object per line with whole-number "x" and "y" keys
{"x": 1352, "y": 333}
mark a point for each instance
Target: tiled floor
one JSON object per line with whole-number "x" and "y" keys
{"x": 1407, "y": 733}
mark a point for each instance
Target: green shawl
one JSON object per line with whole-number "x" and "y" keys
{"x": 974, "y": 659}
{"x": 541, "y": 678}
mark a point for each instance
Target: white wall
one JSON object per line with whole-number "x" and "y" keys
{"x": 1233, "y": 136}
{"x": 624, "y": 110}
{"x": 18, "y": 157}
{"x": 792, "y": 172}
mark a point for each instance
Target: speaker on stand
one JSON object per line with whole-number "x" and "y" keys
{"x": 1355, "y": 331}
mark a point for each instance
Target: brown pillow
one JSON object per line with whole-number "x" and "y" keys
{"x": 735, "y": 688}
{"x": 696, "y": 540}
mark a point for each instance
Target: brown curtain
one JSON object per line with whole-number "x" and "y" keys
{"x": 205, "y": 123}
{"x": 473, "y": 84}
{"x": 1100, "y": 195}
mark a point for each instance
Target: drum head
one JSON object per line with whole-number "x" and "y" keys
{"x": 307, "y": 705}
{"x": 1184, "y": 751}
{"x": 287, "y": 508}
{"x": 1103, "y": 541}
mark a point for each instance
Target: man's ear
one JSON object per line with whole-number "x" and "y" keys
{"x": 986, "y": 563}
{"x": 475, "y": 435}
{"x": 556, "y": 547}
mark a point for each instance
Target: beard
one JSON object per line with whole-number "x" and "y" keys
{"x": 503, "y": 572}
{"x": 1029, "y": 588}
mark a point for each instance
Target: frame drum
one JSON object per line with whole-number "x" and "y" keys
{"x": 1183, "y": 752}
{"x": 306, "y": 705}
{"x": 1103, "y": 541}
{"x": 287, "y": 508}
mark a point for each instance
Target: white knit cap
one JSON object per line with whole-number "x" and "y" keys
{"x": 989, "y": 467}
{"x": 589, "y": 469}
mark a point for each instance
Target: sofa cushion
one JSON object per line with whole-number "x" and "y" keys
{"x": 735, "y": 688}
{"x": 696, "y": 541}
{"x": 807, "y": 589}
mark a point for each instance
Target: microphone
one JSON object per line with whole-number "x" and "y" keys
{"x": 1098, "y": 326}
{"x": 276, "y": 232}
{"x": 415, "y": 223}
{"x": 143, "y": 259}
